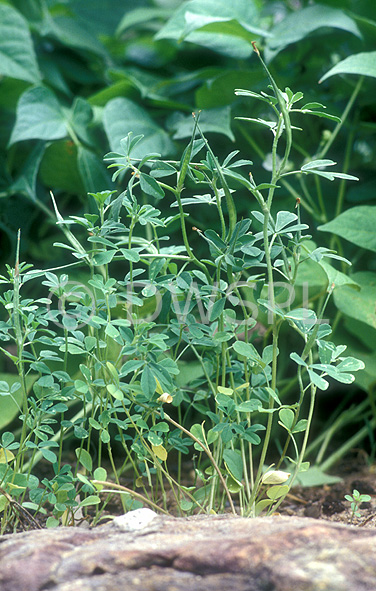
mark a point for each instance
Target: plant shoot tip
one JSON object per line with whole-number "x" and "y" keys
{"x": 255, "y": 48}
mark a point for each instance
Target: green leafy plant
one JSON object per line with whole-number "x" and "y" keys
{"x": 78, "y": 76}
{"x": 356, "y": 499}
{"x": 143, "y": 322}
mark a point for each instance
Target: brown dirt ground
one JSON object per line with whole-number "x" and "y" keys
{"x": 328, "y": 503}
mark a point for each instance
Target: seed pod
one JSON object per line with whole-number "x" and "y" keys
{"x": 275, "y": 477}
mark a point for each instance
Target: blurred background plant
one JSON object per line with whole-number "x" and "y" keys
{"x": 77, "y": 77}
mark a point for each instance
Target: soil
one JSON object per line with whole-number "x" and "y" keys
{"x": 327, "y": 502}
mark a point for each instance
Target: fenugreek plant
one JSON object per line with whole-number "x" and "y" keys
{"x": 149, "y": 354}
{"x": 356, "y": 499}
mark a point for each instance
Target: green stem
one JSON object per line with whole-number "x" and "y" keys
{"x": 210, "y": 456}
{"x": 185, "y": 238}
{"x": 231, "y": 209}
{"x": 345, "y": 113}
{"x": 121, "y": 488}
{"x": 343, "y": 184}
{"x": 350, "y": 443}
{"x": 20, "y": 345}
{"x": 285, "y": 115}
{"x": 304, "y": 444}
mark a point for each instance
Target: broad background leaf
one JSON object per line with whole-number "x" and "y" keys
{"x": 362, "y": 64}
{"x": 359, "y": 305}
{"x": 121, "y": 115}
{"x": 92, "y": 171}
{"x": 211, "y": 120}
{"x": 17, "y": 56}
{"x": 39, "y": 116}
{"x": 72, "y": 32}
{"x": 357, "y": 225}
{"x": 25, "y": 183}
{"x": 8, "y": 409}
{"x": 216, "y": 24}
{"x": 302, "y": 23}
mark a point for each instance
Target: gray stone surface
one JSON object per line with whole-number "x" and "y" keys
{"x": 204, "y": 553}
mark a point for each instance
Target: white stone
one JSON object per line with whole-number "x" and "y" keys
{"x": 135, "y": 520}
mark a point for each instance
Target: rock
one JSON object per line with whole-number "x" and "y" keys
{"x": 202, "y": 553}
